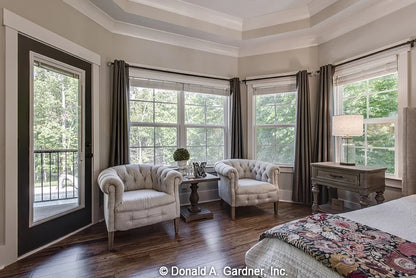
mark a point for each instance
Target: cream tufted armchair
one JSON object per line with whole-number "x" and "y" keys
{"x": 138, "y": 195}
{"x": 247, "y": 183}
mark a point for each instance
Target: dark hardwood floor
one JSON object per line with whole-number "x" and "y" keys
{"x": 217, "y": 242}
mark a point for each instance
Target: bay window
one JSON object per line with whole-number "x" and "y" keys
{"x": 165, "y": 115}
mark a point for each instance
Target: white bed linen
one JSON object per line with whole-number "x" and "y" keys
{"x": 397, "y": 217}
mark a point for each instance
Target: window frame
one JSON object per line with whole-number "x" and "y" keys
{"x": 180, "y": 124}
{"x": 282, "y": 85}
{"x": 401, "y": 56}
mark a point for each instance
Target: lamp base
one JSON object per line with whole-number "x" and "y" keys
{"x": 347, "y": 163}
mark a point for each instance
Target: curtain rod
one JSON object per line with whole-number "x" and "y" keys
{"x": 273, "y": 77}
{"x": 411, "y": 42}
{"x": 174, "y": 72}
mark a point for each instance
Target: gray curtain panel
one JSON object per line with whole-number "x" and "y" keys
{"x": 323, "y": 150}
{"x": 236, "y": 121}
{"x": 409, "y": 151}
{"x": 119, "y": 140}
{"x": 302, "y": 191}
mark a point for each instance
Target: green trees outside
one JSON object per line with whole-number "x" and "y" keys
{"x": 377, "y": 100}
{"x": 154, "y": 125}
{"x": 56, "y": 121}
{"x": 275, "y": 127}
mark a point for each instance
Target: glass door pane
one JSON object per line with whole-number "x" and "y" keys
{"x": 56, "y": 139}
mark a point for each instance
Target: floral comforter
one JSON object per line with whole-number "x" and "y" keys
{"x": 348, "y": 247}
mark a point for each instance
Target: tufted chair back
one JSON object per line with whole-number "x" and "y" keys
{"x": 141, "y": 176}
{"x": 249, "y": 169}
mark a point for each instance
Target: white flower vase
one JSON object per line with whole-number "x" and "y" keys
{"x": 182, "y": 166}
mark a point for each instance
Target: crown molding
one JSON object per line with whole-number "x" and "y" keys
{"x": 194, "y": 11}
{"x": 122, "y": 28}
{"x": 344, "y": 17}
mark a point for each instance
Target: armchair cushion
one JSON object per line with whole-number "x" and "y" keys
{"x": 144, "y": 199}
{"x": 251, "y": 186}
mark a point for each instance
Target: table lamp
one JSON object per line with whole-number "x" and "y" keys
{"x": 347, "y": 126}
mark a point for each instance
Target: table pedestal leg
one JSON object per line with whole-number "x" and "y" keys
{"x": 315, "y": 190}
{"x": 194, "y": 198}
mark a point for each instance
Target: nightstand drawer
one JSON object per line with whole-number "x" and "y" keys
{"x": 338, "y": 176}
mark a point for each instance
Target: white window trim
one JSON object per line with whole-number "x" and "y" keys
{"x": 251, "y": 111}
{"x": 402, "y": 56}
{"x": 223, "y": 90}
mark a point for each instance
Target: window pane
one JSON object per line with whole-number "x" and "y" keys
{"x": 215, "y": 154}
{"x": 383, "y": 83}
{"x": 164, "y": 156}
{"x": 383, "y": 105}
{"x": 166, "y": 113}
{"x": 195, "y": 137}
{"x": 381, "y": 158}
{"x": 265, "y": 114}
{"x": 356, "y": 105}
{"x": 194, "y": 98}
{"x": 286, "y": 114}
{"x": 380, "y": 135}
{"x": 142, "y": 155}
{"x": 355, "y": 89}
{"x": 141, "y": 136}
{"x": 194, "y": 114}
{"x": 265, "y": 136}
{"x": 215, "y": 136}
{"x": 285, "y": 154}
{"x": 166, "y": 96}
{"x": 286, "y": 98}
{"x": 141, "y": 111}
{"x": 137, "y": 93}
{"x": 197, "y": 154}
{"x": 166, "y": 136}
{"x": 285, "y": 135}
{"x": 213, "y": 100}
{"x": 215, "y": 116}
{"x": 360, "y": 156}
{"x": 265, "y": 153}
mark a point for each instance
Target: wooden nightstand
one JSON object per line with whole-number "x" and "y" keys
{"x": 361, "y": 179}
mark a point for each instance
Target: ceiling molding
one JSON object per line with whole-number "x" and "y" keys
{"x": 194, "y": 11}
{"x": 122, "y": 28}
{"x": 331, "y": 19}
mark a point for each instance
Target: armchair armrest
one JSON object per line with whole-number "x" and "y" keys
{"x": 226, "y": 170}
{"x": 169, "y": 180}
{"x": 110, "y": 182}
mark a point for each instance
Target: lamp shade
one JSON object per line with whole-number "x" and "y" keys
{"x": 347, "y": 125}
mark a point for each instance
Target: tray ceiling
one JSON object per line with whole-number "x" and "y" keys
{"x": 236, "y": 27}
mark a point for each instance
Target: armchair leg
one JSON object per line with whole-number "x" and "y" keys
{"x": 110, "y": 241}
{"x": 232, "y": 213}
{"x": 176, "y": 224}
{"x": 276, "y": 206}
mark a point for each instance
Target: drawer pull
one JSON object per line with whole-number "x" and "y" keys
{"x": 336, "y": 176}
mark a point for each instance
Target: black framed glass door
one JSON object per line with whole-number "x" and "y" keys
{"x": 54, "y": 159}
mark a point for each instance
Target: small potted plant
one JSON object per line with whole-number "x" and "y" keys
{"x": 181, "y": 156}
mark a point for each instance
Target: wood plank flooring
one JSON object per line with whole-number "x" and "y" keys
{"x": 217, "y": 242}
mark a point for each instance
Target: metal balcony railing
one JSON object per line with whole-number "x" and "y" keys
{"x": 55, "y": 175}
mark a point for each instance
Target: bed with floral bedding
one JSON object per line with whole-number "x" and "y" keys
{"x": 379, "y": 241}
